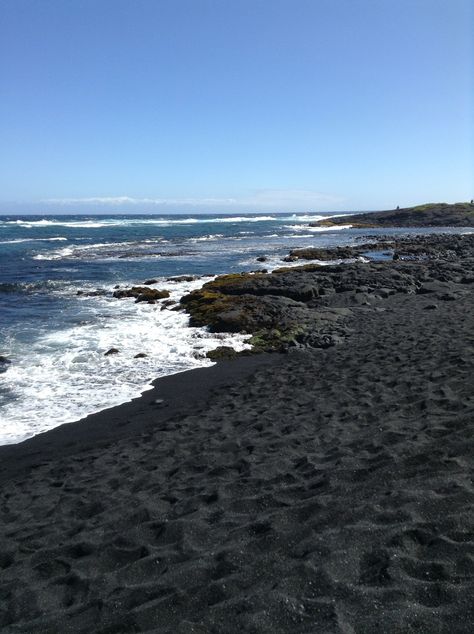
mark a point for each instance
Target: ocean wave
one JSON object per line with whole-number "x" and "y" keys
{"x": 314, "y": 217}
{"x": 31, "y": 287}
{"x": 273, "y": 262}
{"x": 113, "y": 251}
{"x": 111, "y": 222}
{"x": 296, "y": 236}
{"x": 65, "y": 375}
{"x": 31, "y": 224}
{"x": 304, "y": 218}
{"x": 105, "y": 250}
{"x": 210, "y": 237}
{"x": 19, "y": 240}
{"x": 317, "y": 229}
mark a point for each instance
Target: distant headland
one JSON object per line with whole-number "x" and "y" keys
{"x": 428, "y": 215}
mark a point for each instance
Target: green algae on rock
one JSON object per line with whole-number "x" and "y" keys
{"x": 221, "y": 352}
{"x": 270, "y": 307}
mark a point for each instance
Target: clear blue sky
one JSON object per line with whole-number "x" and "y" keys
{"x": 225, "y": 105}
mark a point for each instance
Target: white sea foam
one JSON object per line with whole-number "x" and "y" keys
{"x": 65, "y": 376}
{"x": 18, "y": 240}
{"x": 315, "y": 217}
{"x": 276, "y": 262}
{"x": 59, "y": 254}
{"x": 101, "y": 250}
{"x": 210, "y": 237}
{"x": 297, "y": 236}
{"x": 98, "y": 223}
{"x": 304, "y": 218}
{"x": 317, "y": 229}
{"x": 31, "y": 224}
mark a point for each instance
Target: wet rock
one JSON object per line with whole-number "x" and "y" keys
{"x": 111, "y": 351}
{"x": 182, "y": 278}
{"x": 140, "y": 355}
{"x": 99, "y": 292}
{"x": 148, "y": 282}
{"x": 168, "y": 302}
{"x": 142, "y": 293}
{"x": 339, "y": 253}
{"x": 262, "y": 258}
{"x": 4, "y": 363}
{"x": 221, "y": 352}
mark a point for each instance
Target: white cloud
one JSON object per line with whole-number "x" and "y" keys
{"x": 263, "y": 198}
{"x": 128, "y": 200}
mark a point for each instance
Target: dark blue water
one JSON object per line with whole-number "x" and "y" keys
{"x": 56, "y": 339}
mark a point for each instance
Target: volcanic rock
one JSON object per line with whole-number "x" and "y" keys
{"x": 142, "y": 293}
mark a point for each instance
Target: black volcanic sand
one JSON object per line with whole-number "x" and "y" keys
{"x": 321, "y": 491}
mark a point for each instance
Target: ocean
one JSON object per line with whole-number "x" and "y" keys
{"x": 56, "y": 339}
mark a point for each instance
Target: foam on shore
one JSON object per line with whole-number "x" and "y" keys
{"x": 65, "y": 376}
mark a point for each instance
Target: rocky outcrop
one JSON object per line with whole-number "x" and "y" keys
{"x": 414, "y": 247}
{"x": 271, "y": 308}
{"x": 308, "y": 305}
{"x": 111, "y": 351}
{"x": 142, "y": 293}
{"x": 221, "y": 352}
{"x": 182, "y": 278}
{"x": 167, "y": 303}
{"x": 4, "y": 363}
{"x": 99, "y": 292}
{"x": 338, "y": 253}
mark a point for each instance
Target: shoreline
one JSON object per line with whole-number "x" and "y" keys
{"x": 49, "y": 366}
{"x": 327, "y": 489}
{"x": 182, "y": 393}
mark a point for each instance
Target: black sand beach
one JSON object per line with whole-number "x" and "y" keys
{"x": 324, "y": 490}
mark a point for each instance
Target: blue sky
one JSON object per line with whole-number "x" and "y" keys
{"x": 234, "y": 105}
